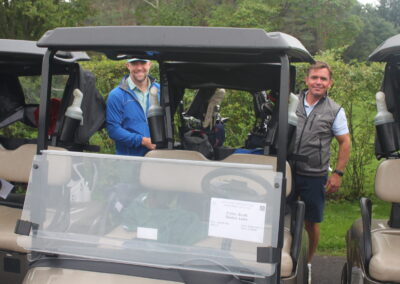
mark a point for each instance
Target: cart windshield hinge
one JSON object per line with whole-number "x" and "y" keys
{"x": 24, "y": 227}
{"x": 268, "y": 254}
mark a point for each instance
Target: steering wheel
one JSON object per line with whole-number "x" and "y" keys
{"x": 236, "y": 188}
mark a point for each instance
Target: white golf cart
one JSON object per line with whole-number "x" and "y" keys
{"x": 373, "y": 245}
{"x": 173, "y": 216}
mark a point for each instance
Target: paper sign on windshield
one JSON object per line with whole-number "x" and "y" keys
{"x": 235, "y": 219}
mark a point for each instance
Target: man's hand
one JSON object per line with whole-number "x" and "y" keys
{"x": 333, "y": 183}
{"x": 146, "y": 142}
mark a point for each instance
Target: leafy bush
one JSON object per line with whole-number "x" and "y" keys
{"x": 355, "y": 85}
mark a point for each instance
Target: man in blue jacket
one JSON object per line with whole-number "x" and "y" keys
{"x": 126, "y": 110}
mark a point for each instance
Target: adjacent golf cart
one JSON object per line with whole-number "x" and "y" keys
{"x": 373, "y": 246}
{"x": 20, "y": 70}
{"x": 173, "y": 216}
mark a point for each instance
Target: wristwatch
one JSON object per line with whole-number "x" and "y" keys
{"x": 338, "y": 172}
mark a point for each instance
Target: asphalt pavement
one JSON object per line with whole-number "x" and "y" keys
{"x": 327, "y": 269}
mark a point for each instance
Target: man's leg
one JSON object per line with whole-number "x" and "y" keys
{"x": 313, "y": 238}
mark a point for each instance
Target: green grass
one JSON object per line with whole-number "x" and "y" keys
{"x": 338, "y": 217}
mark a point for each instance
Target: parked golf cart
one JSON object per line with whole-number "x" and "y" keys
{"x": 373, "y": 246}
{"x": 173, "y": 216}
{"x": 20, "y": 69}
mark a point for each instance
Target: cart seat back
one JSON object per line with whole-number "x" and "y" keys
{"x": 16, "y": 167}
{"x": 385, "y": 241}
{"x": 386, "y": 181}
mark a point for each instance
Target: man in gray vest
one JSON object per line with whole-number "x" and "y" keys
{"x": 319, "y": 120}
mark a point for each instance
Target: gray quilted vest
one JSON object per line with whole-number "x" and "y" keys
{"x": 314, "y": 136}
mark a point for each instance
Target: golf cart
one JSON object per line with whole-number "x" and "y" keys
{"x": 373, "y": 246}
{"x": 173, "y": 216}
{"x": 20, "y": 70}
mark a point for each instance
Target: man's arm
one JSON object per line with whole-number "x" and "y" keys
{"x": 334, "y": 181}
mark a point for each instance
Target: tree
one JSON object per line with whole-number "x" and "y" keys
{"x": 375, "y": 30}
{"x": 29, "y": 19}
{"x": 116, "y": 12}
{"x": 175, "y": 12}
{"x": 320, "y": 24}
{"x": 244, "y": 14}
{"x": 221, "y": 13}
{"x": 390, "y": 11}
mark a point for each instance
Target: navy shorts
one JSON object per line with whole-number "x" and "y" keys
{"x": 311, "y": 190}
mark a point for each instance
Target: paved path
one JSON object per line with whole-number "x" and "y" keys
{"x": 327, "y": 269}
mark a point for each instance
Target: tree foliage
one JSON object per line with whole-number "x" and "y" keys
{"x": 375, "y": 30}
{"x": 320, "y": 24}
{"x": 110, "y": 13}
{"x": 390, "y": 11}
{"x": 174, "y": 12}
{"x": 29, "y": 19}
{"x": 245, "y": 14}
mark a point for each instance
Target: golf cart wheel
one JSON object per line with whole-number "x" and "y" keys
{"x": 344, "y": 274}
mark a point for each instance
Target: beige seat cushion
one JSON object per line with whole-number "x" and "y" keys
{"x": 18, "y": 165}
{"x": 166, "y": 172}
{"x": 386, "y": 186}
{"x": 177, "y": 154}
{"x": 52, "y": 275}
{"x": 8, "y": 219}
{"x": 246, "y": 247}
{"x": 385, "y": 261}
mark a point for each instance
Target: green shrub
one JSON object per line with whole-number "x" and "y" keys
{"x": 355, "y": 85}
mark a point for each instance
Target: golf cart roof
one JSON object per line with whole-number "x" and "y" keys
{"x": 389, "y": 49}
{"x": 195, "y": 44}
{"x": 23, "y": 57}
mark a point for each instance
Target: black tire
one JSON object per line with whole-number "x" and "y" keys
{"x": 344, "y": 274}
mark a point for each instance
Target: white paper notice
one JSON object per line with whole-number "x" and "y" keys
{"x": 5, "y": 188}
{"x": 147, "y": 233}
{"x": 235, "y": 219}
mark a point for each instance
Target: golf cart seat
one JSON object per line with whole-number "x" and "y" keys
{"x": 8, "y": 219}
{"x": 66, "y": 276}
{"x": 384, "y": 244}
{"x": 16, "y": 169}
{"x": 19, "y": 162}
{"x": 287, "y": 262}
{"x": 177, "y": 154}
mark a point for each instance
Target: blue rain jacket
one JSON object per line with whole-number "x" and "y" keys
{"x": 126, "y": 122}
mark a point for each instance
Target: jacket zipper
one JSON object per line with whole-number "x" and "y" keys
{"x": 320, "y": 152}
{"x": 312, "y": 121}
{"x": 133, "y": 95}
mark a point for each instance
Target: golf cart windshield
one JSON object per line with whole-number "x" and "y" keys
{"x": 215, "y": 218}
